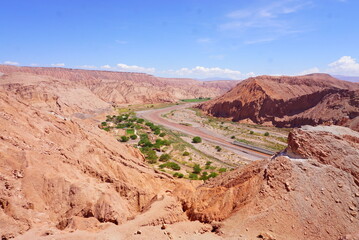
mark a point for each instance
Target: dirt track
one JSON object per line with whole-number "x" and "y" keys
{"x": 155, "y": 116}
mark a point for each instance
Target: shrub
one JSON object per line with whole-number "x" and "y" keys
{"x": 266, "y": 134}
{"x": 104, "y": 123}
{"x": 222, "y": 170}
{"x": 174, "y": 166}
{"x": 151, "y": 156}
{"x": 193, "y": 176}
{"x": 197, "y": 169}
{"x": 185, "y": 154}
{"x": 218, "y": 148}
{"x": 208, "y": 164}
{"x": 165, "y": 157}
{"x": 140, "y": 120}
{"x": 133, "y": 137}
{"x": 106, "y": 129}
{"x": 157, "y": 131}
{"x": 251, "y": 132}
{"x": 124, "y": 139}
{"x": 179, "y": 175}
{"x": 204, "y": 176}
{"x": 233, "y": 137}
{"x": 171, "y": 165}
{"x": 213, "y": 175}
{"x": 162, "y": 134}
{"x": 120, "y": 125}
{"x": 196, "y": 140}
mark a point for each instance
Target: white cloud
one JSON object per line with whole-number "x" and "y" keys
{"x": 309, "y": 71}
{"x": 11, "y": 63}
{"x": 58, "y": 65}
{"x": 266, "y": 22}
{"x": 133, "y": 68}
{"x": 106, "y": 67}
{"x": 204, "y": 72}
{"x": 87, "y": 67}
{"x": 34, "y": 64}
{"x": 345, "y": 65}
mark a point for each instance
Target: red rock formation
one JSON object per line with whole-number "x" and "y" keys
{"x": 125, "y": 87}
{"x": 54, "y": 169}
{"x": 290, "y": 101}
{"x": 312, "y": 194}
{"x": 59, "y": 175}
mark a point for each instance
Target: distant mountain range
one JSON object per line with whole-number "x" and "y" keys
{"x": 347, "y": 78}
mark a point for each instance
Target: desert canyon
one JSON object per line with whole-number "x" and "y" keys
{"x": 62, "y": 177}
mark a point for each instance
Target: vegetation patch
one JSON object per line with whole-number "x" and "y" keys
{"x": 200, "y": 99}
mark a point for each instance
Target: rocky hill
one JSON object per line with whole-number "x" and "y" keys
{"x": 61, "y": 177}
{"x": 125, "y": 87}
{"x": 309, "y": 191}
{"x": 290, "y": 101}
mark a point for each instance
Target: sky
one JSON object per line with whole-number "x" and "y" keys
{"x": 206, "y": 39}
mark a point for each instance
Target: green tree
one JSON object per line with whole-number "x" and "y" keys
{"x": 266, "y": 134}
{"x": 218, "y": 148}
{"x": 133, "y": 137}
{"x": 104, "y": 124}
{"x": 151, "y": 156}
{"x": 162, "y": 134}
{"x": 251, "y": 132}
{"x": 197, "y": 140}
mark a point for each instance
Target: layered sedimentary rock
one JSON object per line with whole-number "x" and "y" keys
{"x": 309, "y": 191}
{"x": 290, "y": 101}
{"x": 125, "y": 87}
{"x": 61, "y": 177}
{"x": 57, "y": 168}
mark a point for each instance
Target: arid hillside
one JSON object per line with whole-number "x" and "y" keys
{"x": 308, "y": 191}
{"x": 62, "y": 177}
{"x": 125, "y": 87}
{"x": 57, "y": 171}
{"x": 290, "y": 101}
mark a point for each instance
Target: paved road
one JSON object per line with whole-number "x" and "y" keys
{"x": 155, "y": 116}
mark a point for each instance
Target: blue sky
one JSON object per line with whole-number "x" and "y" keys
{"x": 184, "y": 38}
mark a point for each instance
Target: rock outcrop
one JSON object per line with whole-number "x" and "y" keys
{"x": 309, "y": 191}
{"x": 125, "y": 87}
{"x": 290, "y": 101}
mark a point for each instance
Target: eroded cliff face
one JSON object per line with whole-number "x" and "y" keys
{"x": 125, "y": 87}
{"x": 290, "y": 101}
{"x": 61, "y": 177}
{"x": 309, "y": 191}
{"x": 57, "y": 170}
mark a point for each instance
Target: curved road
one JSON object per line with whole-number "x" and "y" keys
{"x": 155, "y": 116}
